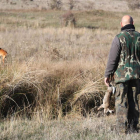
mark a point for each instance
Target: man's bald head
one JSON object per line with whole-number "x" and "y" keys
{"x": 126, "y": 20}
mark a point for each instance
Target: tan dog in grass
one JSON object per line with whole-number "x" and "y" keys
{"x": 106, "y": 101}
{"x": 3, "y": 54}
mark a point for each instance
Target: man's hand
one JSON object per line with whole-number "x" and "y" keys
{"x": 106, "y": 80}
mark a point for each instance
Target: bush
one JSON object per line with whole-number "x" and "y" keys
{"x": 56, "y": 4}
{"x": 133, "y": 4}
{"x": 71, "y": 4}
{"x": 68, "y": 19}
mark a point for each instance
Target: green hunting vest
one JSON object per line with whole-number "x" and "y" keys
{"x": 129, "y": 62}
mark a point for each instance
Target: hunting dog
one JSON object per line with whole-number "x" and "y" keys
{"x": 3, "y": 54}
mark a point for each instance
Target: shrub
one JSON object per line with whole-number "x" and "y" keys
{"x": 56, "y": 4}
{"x": 68, "y": 19}
{"x": 71, "y": 4}
{"x": 133, "y": 4}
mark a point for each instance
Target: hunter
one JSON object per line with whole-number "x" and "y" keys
{"x": 124, "y": 64}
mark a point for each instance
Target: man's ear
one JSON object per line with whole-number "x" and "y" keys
{"x": 121, "y": 24}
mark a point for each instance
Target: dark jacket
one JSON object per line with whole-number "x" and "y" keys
{"x": 115, "y": 59}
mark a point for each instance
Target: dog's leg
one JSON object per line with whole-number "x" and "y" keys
{"x": 101, "y": 106}
{"x": 3, "y": 58}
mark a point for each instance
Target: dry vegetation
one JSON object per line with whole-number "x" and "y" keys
{"x": 67, "y": 129}
{"x": 133, "y": 4}
{"x": 55, "y": 73}
{"x": 109, "y": 5}
{"x": 52, "y": 67}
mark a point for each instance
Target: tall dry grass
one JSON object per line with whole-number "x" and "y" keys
{"x": 67, "y": 129}
{"x": 53, "y": 73}
{"x": 53, "y": 69}
{"x": 56, "y": 62}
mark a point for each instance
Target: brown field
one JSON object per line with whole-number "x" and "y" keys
{"x": 53, "y": 75}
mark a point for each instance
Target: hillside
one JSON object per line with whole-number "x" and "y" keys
{"x": 109, "y": 5}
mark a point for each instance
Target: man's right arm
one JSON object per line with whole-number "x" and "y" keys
{"x": 113, "y": 58}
